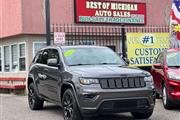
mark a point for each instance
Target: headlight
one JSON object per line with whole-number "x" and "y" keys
{"x": 86, "y": 81}
{"x": 149, "y": 80}
{"x": 146, "y": 73}
{"x": 172, "y": 75}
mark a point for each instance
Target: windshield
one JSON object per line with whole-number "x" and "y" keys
{"x": 91, "y": 56}
{"x": 173, "y": 59}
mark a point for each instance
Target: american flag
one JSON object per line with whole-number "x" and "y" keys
{"x": 175, "y": 12}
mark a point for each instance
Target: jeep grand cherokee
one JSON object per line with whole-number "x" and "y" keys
{"x": 89, "y": 80}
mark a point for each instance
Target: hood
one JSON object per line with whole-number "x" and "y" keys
{"x": 174, "y": 70}
{"x": 100, "y": 71}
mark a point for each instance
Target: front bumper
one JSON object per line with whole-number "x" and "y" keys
{"x": 174, "y": 89}
{"x": 96, "y": 100}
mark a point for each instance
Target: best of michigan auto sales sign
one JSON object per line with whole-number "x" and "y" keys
{"x": 106, "y": 11}
{"x": 143, "y": 48}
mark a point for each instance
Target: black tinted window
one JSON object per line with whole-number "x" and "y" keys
{"x": 37, "y": 58}
{"x": 53, "y": 53}
{"x": 44, "y": 57}
{"x": 49, "y": 54}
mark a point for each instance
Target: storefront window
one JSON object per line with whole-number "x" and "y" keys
{"x": 14, "y": 57}
{"x": 22, "y": 60}
{"x": 6, "y": 59}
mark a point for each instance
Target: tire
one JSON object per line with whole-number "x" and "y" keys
{"x": 70, "y": 107}
{"x": 166, "y": 102}
{"x": 34, "y": 102}
{"x": 142, "y": 115}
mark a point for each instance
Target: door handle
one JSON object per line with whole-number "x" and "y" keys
{"x": 42, "y": 76}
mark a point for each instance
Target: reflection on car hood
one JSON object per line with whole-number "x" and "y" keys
{"x": 105, "y": 71}
{"x": 174, "y": 70}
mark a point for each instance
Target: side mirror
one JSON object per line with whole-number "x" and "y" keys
{"x": 157, "y": 66}
{"x": 53, "y": 62}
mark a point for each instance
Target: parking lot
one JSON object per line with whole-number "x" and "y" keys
{"x": 14, "y": 107}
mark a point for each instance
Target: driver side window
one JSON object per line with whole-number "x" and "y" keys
{"x": 49, "y": 54}
{"x": 44, "y": 57}
{"x": 53, "y": 53}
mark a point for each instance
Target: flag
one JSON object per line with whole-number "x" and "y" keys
{"x": 175, "y": 12}
{"x": 175, "y": 24}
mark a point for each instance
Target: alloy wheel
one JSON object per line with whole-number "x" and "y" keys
{"x": 68, "y": 107}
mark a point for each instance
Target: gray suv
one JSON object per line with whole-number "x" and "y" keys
{"x": 89, "y": 80}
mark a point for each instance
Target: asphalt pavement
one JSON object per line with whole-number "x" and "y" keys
{"x": 14, "y": 107}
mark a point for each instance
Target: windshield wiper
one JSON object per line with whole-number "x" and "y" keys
{"x": 92, "y": 64}
{"x": 79, "y": 64}
{"x": 106, "y": 63}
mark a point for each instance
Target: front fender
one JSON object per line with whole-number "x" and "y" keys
{"x": 71, "y": 85}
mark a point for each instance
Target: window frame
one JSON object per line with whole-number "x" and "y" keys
{"x": 39, "y": 55}
{"x": 18, "y": 57}
{"x": 47, "y": 50}
{"x": 9, "y": 46}
{"x": 11, "y": 70}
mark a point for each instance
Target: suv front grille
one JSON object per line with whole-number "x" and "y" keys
{"x": 120, "y": 83}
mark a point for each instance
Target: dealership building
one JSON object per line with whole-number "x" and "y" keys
{"x": 85, "y": 22}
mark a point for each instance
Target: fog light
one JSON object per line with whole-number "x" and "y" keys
{"x": 142, "y": 103}
{"x": 89, "y": 96}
